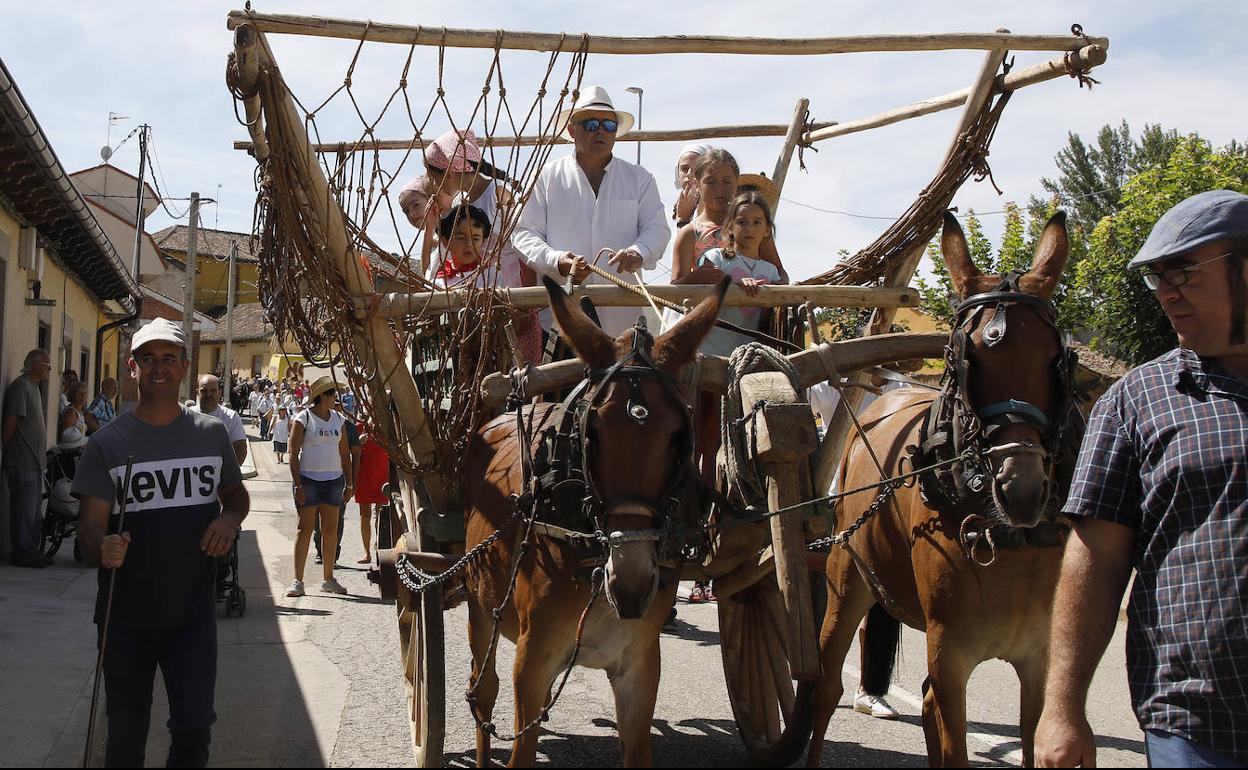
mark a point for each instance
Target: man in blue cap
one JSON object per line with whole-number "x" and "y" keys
{"x": 1162, "y": 487}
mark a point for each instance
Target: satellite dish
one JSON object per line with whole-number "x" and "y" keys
{"x": 106, "y": 152}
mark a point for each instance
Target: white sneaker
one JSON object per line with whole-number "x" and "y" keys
{"x": 296, "y": 588}
{"x": 332, "y": 586}
{"x": 874, "y": 705}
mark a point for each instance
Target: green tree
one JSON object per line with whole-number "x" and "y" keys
{"x": 1125, "y": 318}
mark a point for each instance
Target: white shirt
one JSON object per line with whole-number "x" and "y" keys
{"x": 253, "y": 400}
{"x": 233, "y": 423}
{"x": 319, "y": 458}
{"x": 281, "y": 429}
{"x": 563, "y": 217}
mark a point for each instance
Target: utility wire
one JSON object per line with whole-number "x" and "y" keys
{"x": 1062, "y": 198}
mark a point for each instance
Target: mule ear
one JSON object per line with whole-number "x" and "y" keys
{"x": 1050, "y": 258}
{"x": 592, "y": 345}
{"x": 677, "y": 346}
{"x": 957, "y": 255}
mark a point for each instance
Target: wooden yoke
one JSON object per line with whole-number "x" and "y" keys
{"x": 374, "y": 339}
{"x": 781, "y": 436}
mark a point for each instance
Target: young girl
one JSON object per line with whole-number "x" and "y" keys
{"x": 718, "y": 178}
{"x": 747, "y": 224}
{"x": 280, "y": 429}
{"x": 374, "y": 472}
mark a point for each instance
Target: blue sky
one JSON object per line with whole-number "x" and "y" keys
{"x": 1177, "y": 64}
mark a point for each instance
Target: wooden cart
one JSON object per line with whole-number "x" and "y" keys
{"x": 770, "y": 602}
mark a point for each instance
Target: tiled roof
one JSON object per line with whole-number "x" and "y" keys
{"x": 35, "y": 185}
{"x": 214, "y": 243}
{"x": 250, "y": 324}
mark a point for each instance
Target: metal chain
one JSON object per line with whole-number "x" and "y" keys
{"x": 409, "y": 573}
{"x": 840, "y": 538}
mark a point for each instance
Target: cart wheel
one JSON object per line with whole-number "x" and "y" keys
{"x": 52, "y": 535}
{"x": 424, "y": 668}
{"x": 773, "y": 713}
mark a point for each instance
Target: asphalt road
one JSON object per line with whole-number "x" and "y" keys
{"x": 317, "y": 680}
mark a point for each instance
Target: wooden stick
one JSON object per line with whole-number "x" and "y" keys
{"x": 851, "y": 356}
{"x": 1089, "y": 56}
{"x": 403, "y": 34}
{"x": 377, "y": 338}
{"x": 400, "y": 305}
{"x": 981, "y": 90}
{"x": 672, "y": 135}
{"x": 791, "y": 139}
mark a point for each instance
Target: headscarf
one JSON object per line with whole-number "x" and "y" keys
{"x": 697, "y": 148}
{"x": 455, "y": 151}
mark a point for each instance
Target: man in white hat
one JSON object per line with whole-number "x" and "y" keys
{"x": 592, "y": 200}
{"x": 185, "y": 504}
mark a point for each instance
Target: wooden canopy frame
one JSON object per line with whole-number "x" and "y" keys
{"x": 1079, "y": 53}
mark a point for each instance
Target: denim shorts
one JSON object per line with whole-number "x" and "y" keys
{"x": 323, "y": 492}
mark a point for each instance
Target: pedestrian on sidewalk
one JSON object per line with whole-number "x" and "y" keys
{"x": 374, "y": 472}
{"x": 353, "y": 446}
{"x": 209, "y": 403}
{"x": 102, "y": 407}
{"x": 320, "y": 471}
{"x": 184, "y": 507}
{"x": 1161, "y": 486}
{"x": 25, "y": 438}
{"x": 281, "y": 433}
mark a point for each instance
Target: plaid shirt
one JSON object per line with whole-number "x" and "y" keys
{"x": 103, "y": 410}
{"x": 1166, "y": 453}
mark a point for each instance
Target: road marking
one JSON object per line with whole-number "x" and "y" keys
{"x": 981, "y": 733}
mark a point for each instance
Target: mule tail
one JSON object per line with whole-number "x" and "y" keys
{"x": 881, "y": 646}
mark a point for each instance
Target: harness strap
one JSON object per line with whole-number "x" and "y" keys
{"x": 1013, "y": 406}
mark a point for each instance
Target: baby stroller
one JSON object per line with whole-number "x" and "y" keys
{"x": 60, "y": 519}
{"x": 229, "y": 585}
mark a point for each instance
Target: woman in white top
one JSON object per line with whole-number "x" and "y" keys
{"x": 72, "y": 428}
{"x": 320, "y": 468}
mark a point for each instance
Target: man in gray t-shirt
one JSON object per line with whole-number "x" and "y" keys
{"x": 25, "y": 457}
{"x": 184, "y": 505}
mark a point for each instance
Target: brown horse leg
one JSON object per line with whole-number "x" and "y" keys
{"x": 484, "y": 675}
{"x": 949, "y": 666}
{"x": 1031, "y": 675}
{"x": 849, "y": 598}
{"x": 636, "y": 688}
{"x": 536, "y": 669}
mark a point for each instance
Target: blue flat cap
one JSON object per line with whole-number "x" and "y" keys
{"x": 1203, "y": 218}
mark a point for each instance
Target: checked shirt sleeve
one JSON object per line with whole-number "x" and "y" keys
{"x": 1107, "y": 477}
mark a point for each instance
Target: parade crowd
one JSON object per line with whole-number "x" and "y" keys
{"x": 1161, "y": 488}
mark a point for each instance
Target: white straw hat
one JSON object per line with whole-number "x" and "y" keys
{"x": 594, "y": 98}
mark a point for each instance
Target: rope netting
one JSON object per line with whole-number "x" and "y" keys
{"x": 312, "y": 304}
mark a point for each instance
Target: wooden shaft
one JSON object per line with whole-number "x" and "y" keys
{"x": 673, "y": 135}
{"x": 403, "y": 34}
{"x": 745, "y": 575}
{"x": 850, "y": 355}
{"x": 402, "y": 305}
{"x": 981, "y": 91}
{"x": 789, "y": 544}
{"x": 791, "y": 139}
{"x": 247, "y": 59}
{"x": 1088, "y": 56}
{"x": 376, "y": 338}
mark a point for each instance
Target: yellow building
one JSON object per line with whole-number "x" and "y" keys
{"x": 255, "y": 349}
{"x": 62, "y": 283}
{"x": 212, "y": 248}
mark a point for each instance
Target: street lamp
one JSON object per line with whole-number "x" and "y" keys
{"x": 638, "y": 90}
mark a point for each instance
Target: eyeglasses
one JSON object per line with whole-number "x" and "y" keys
{"x": 593, "y": 124}
{"x": 1175, "y": 276}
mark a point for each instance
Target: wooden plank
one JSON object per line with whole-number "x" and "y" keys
{"x": 1088, "y": 56}
{"x": 405, "y": 34}
{"x": 501, "y": 141}
{"x": 403, "y": 305}
{"x": 789, "y": 543}
{"x": 850, "y": 356}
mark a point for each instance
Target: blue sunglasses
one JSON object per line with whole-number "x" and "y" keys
{"x": 593, "y": 124}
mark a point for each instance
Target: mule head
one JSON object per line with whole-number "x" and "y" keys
{"x": 1015, "y": 362}
{"x": 637, "y": 441}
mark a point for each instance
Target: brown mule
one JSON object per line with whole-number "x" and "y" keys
{"x": 918, "y": 567}
{"x": 637, "y": 441}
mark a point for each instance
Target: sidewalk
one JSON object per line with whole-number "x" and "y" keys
{"x": 272, "y": 679}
